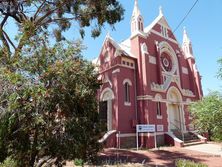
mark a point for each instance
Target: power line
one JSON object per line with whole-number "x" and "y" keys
{"x": 185, "y": 16}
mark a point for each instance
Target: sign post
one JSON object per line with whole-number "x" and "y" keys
{"x": 144, "y": 128}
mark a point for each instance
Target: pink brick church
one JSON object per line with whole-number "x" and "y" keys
{"x": 149, "y": 78}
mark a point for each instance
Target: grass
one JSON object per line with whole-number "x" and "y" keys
{"x": 188, "y": 163}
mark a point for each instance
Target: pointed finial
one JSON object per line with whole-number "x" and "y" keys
{"x": 136, "y": 2}
{"x": 160, "y": 11}
{"x": 108, "y": 34}
{"x": 136, "y": 11}
{"x": 185, "y": 36}
{"x": 184, "y": 30}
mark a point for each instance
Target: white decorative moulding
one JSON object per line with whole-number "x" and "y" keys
{"x": 187, "y": 92}
{"x": 152, "y": 59}
{"x": 116, "y": 71}
{"x": 144, "y": 48}
{"x": 184, "y": 70}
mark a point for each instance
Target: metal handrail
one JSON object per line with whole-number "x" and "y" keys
{"x": 178, "y": 128}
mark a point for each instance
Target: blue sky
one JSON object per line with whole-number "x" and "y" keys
{"x": 203, "y": 24}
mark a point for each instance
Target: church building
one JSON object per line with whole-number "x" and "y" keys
{"x": 150, "y": 79}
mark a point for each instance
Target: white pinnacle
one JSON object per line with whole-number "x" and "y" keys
{"x": 185, "y": 36}
{"x": 160, "y": 11}
{"x": 136, "y": 11}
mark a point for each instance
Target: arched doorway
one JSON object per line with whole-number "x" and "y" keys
{"x": 105, "y": 107}
{"x": 175, "y": 110}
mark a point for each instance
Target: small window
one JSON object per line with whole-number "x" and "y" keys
{"x": 141, "y": 26}
{"x": 131, "y": 64}
{"x": 159, "y": 113}
{"x": 127, "y": 63}
{"x": 124, "y": 62}
{"x": 127, "y": 92}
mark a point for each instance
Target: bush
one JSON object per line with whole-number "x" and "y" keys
{"x": 78, "y": 162}
{"x": 188, "y": 163}
{"x": 9, "y": 162}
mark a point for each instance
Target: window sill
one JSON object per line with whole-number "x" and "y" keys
{"x": 159, "y": 117}
{"x": 127, "y": 103}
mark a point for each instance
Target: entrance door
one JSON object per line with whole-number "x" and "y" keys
{"x": 103, "y": 113}
{"x": 105, "y": 108}
{"x": 175, "y": 119}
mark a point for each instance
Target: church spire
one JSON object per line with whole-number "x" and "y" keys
{"x": 137, "y": 19}
{"x": 187, "y": 45}
{"x": 136, "y": 10}
{"x": 185, "y": 36}
{"x": 160, "y": 11}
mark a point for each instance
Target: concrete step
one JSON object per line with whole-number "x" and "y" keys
{"x": 187, "y": 137}
{"x": 193, "y": 143}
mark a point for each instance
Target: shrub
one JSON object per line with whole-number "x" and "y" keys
{"x": 188, "y": 163}
{"x": 9, "y": 162}
{"x": 78, "y": 162}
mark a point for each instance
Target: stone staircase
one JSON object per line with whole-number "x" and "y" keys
{"x": 188, "y": 138}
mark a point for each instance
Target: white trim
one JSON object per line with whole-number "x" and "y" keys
{"x": 159, "y": 117}
{"x": 138, "y": 33}
{"x": 174, "y": 89}
{"x": 116, "y": 71}
{"x": 110, "y": 96}
{"x": 184, "y": 70}
{"x": 178, "y": 101}
{"x": 125, "y": 134}
{"x": 127, "y": 81}
{"x": 107, "y": 80}
{"x": 174, "y": 137}
{"x": 107, "y": 134}
{"x": 144, "y": 48}
{"x": 149, "y": 97}
{"x": 151, "y": 134}
{"x": 117, "y": 52}
{"x": 145, "y": 97}
{"x": 140, "y": 134}
{"x": 127, "y": 103}
{"x": 126, "y": 66}
{"x": 167, "y": 48}
{"x": 152, "y": 60}
{"x": 159, "y": 34}
{"x": 117, "y": 65}
{"x": 158, "y": 97}
{"x": 107, "y": 95}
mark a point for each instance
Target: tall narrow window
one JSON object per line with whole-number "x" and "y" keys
{"x": 127, "y": 92}
{"x": 164, "y": 31}
{"x": 159, "y": 113}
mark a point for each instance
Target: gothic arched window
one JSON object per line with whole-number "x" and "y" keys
{"x": 127, "y": 92}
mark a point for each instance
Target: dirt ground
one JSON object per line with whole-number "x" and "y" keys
{"x": 165, "y": 156}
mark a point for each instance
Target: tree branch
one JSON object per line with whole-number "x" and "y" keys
{"x": 9, "y": 40}
{"x": 4, "y": 41}
{"x": 38, "y": 23}
{"x": 39, "y": 9}
{"x": 4, "y": 21}
{"x": 58, "y": 19}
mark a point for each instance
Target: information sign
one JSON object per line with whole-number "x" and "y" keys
{"x": 145, "y": 128}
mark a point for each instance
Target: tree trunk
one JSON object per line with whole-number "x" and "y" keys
{"x": 34, "y": 150}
